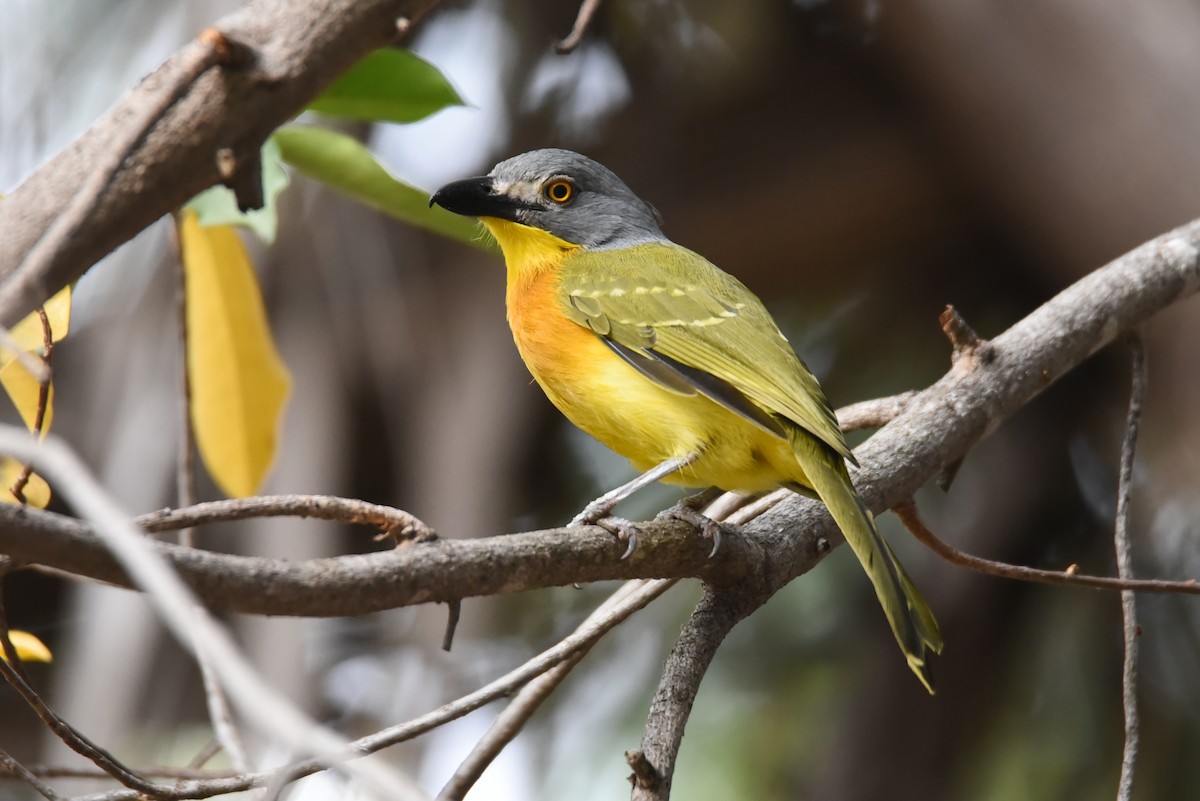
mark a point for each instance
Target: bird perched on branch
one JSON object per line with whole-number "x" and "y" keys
{"x": 668, "y": 360}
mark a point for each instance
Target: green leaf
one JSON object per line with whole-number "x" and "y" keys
{"x": 388, "y": 84}
{"x": 218, "y": 206}
{"x": 342, "y": 163}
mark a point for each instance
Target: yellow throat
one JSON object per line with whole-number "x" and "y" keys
{"x": 527, "y": 250}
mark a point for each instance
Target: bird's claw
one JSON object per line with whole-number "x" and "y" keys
{"x": 709, "y": 529}
{"x": 596, "y": 514}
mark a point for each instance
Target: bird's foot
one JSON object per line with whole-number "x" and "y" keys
{"x": 596, "y": 513}
{"x": 709, "y": 529}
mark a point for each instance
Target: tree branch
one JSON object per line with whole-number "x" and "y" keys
{"x": 159, "y": 145}
{"x": 583, "y": 20}
{"x": 907, "y": 512}
{"x": 1125, "y": 570}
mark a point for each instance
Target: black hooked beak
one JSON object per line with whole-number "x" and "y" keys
{"x": 477, "y": 197}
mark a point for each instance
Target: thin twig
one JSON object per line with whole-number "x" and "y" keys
{"x": 12, "y": 766}
{"x": 322, "y": 507}
{"x": 907, "y": 512}
{"x": 587, "y": 10}
{"x": 453, "y": 613}
{"x": 1125, "y": 569}
{"x": 210, "y": 750}
{"x": 185, "y": 468}
{"x": 220, "y": 715}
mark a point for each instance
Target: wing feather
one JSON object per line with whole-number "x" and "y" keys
{"x": 665, "y": 303}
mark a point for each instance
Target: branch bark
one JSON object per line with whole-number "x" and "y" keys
{"x": 224, "y": 92}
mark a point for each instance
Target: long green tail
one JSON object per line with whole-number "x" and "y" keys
{"x": 910, "y": 617}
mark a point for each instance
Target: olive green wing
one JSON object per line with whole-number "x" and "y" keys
{"x": 691, "y": 327}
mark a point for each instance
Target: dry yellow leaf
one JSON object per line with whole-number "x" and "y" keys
{"x": 36, "y": 492}
{"x": 29, "y": 648}
{"x": 25, "y": 391}
{"x": 239, "y": 383}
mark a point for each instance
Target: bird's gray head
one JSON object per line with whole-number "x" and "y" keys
{"x": 561, "y": 192}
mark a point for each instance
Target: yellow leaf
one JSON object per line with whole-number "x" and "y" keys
{"x": 29, "y": 333}
{"x": 239, "y": 384}
{"x": 25, "y": 391}
{"x": 29, "y": 648}
{"x": 36, "y": 492}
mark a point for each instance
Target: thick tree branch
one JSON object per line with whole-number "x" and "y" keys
{"x": 160, "y": 144}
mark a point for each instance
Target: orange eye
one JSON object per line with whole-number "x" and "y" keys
{"x": 560, "y": 190}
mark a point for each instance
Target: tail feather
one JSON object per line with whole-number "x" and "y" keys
{"x": 909, "y": 615}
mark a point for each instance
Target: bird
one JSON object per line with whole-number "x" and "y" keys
{"x": 669, "y": 360}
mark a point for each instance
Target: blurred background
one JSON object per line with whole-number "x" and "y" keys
{"x": 859, "y": 164}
